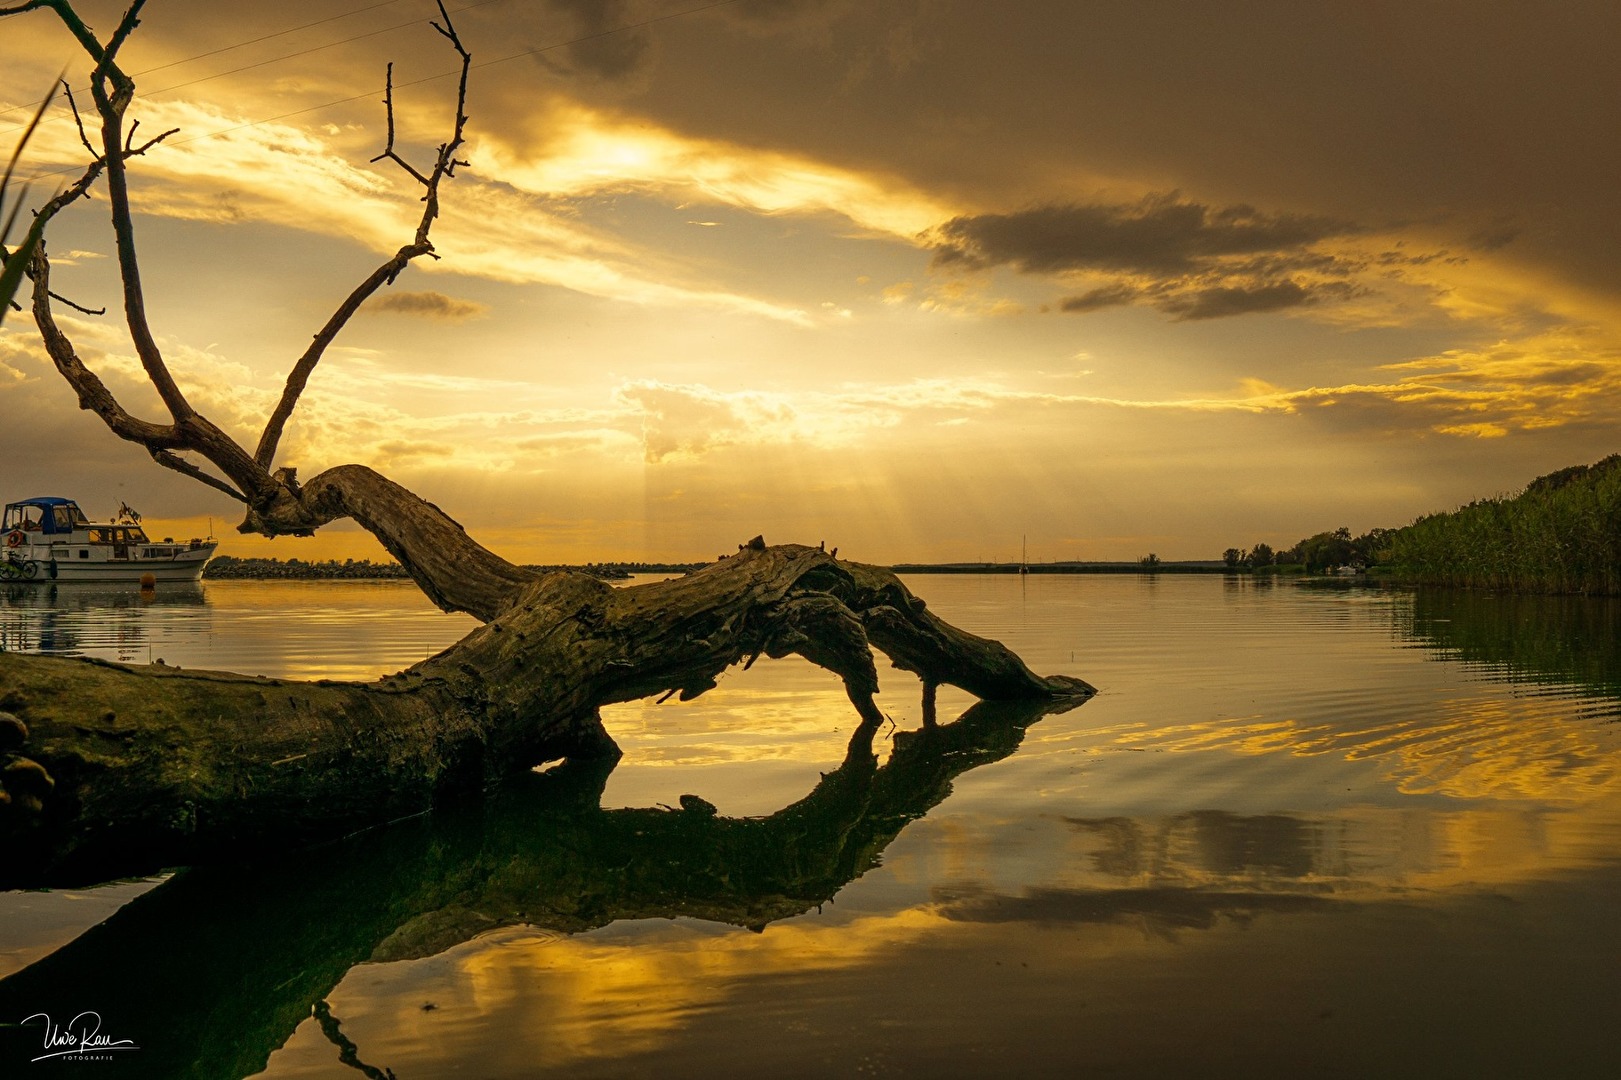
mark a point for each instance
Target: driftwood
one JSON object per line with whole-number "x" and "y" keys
{"x": 126, "y": 769}
{"x": 107, "y": 769}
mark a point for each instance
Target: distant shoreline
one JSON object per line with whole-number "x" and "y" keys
{"x": 229, "y": 567}
{"x": 1211, "y": 567}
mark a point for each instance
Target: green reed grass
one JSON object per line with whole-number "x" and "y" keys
{"x": 1562, "y": 534}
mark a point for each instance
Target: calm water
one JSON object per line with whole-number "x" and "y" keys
{"x": 1301, "y": 831}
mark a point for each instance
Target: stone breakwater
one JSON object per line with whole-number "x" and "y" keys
{"x": 228, "y": 567}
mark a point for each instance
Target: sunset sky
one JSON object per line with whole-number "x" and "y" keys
{"x": 914, "y": 277}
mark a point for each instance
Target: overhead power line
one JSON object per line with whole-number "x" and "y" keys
{"x": 313, "y": 49}
{"x": 274, "y": 59}
{"x": 226, "y": 49}
{"x": 433, "y": 78}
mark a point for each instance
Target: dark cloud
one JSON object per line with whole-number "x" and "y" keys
{"x": 600, "y": 47}
{"x": 1188, "y": 259}
{"x": 427, "y": 305}
{"x": 1161, "y": 235}
{"x": 1190, "y": 301}
{"x": 1497, "y": 235}
{"x": 1224, "y": 300}
{"x": 1106, "y": 296}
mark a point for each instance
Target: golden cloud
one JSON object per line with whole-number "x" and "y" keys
{"x": 226, "y": 170}
{"x": 580, "y": 152}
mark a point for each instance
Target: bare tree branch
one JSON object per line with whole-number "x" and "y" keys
{"x": 78, "y": 120}
{"x": 93, "y": 393}
{"x": 299, "y": 377}
{"x": 194, "y": 433}
{"x": 32, "y": 5}
{"x": 80, "y": 188}
{"x": 181, "y": 465}
{"x": 126, "y": 27}
{"x": 112, "y": 91}
{"x": 388, "y": 109}
{"x": 76, "y": 26}
{"x": 444, "y": 165}
{"x": 110, "y": 107}
{"x": 277, "y": 504}
{"x": 80, "y": 308}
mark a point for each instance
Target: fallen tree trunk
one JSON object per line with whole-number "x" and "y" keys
{"x": 126, "y": 769}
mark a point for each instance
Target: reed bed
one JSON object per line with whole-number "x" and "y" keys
{"x": 1562, "y": 534}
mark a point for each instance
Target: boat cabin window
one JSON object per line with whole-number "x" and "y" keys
{"x": 26, "y": 518}
{"x": 118, "y": 534}
{"x": 32, "y": 517}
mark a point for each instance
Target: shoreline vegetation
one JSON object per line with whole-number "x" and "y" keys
{"x": 1559, "y": 535}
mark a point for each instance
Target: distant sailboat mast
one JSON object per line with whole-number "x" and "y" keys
{"x": 1024, "y": 554}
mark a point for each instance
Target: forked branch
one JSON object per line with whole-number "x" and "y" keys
{"x": 276, "y": 502}
{"x": 445, "y": 163}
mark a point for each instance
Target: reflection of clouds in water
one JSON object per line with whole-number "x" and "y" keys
{"x": 1302, "y": 780}
{"x": 611, "y": 994}
{"x": 1361, "y": 853}
{"x": 1532, "y": 747}
{"x": 1351, "y": 852}
{"x": 1260, "y": 983}
{"x": 777, "y": 710}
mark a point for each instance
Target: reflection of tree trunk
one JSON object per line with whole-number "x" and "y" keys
{"x": 244, "y": 951}
{"x": 159, "y": 767}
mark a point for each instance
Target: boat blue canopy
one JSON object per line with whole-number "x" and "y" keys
{"x": 50, "y": 522}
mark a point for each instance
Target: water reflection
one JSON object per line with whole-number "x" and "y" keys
{"x": 1230, "y": 845}
{"x": 1352, "y": 831}
{"x": 80, "y": 619}
{"x": 284, "y": 629}
{"x": 245, "y": 952}
{"x": 1562, "y": 640}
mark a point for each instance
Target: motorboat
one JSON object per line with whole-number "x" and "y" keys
{"x": 51, "y": 539}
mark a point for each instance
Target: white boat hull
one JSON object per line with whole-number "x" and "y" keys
{"x": 59, "y": 564}
{"x": 134, "y": 570}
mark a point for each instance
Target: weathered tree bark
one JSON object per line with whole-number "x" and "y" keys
{"x": 455, "y": 571}
{"x": 154, "y": 766}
